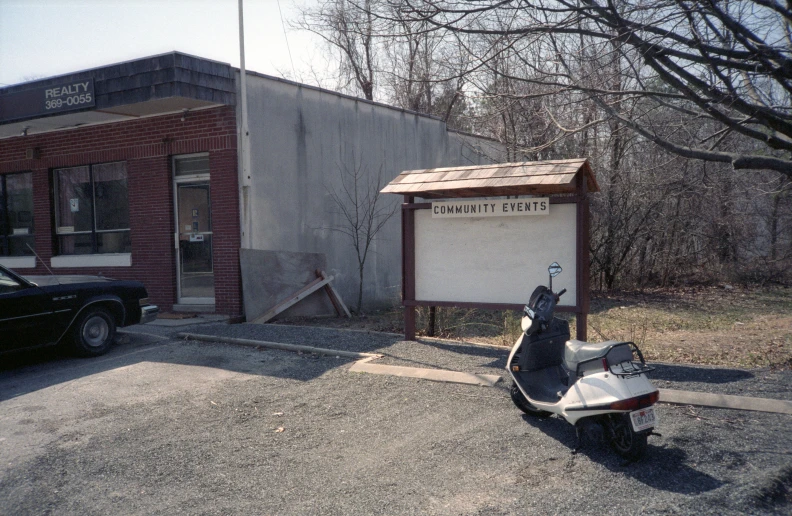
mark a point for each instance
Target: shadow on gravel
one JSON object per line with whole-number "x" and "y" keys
{"x": 15, "y": 360}
{"x": 681, "y": 373}
{"x": 497, "y": 356}
{"x": 32, "y": 370}
{"x": 661, "y": 468}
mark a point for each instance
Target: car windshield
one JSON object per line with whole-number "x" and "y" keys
{"x": 7, "y": 283}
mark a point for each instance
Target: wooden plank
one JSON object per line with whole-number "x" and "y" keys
{"x": 435, "y": 375}
{"x": 334, "y": 296}
{"x": 337, "y": 308}
{"x": 726, "y": 401}
{"x": 293, "y": 299}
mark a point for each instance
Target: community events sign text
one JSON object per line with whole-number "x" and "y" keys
{"x": 491, "y": 208}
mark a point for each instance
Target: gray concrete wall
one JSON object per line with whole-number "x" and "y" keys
{"x": 301, "y": 137}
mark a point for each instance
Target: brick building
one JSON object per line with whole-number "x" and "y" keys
{"x": 92, "y": 189}
{"x": 132, "y": 171}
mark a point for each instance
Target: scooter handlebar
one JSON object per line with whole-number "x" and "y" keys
{"x": 558, "y": 296}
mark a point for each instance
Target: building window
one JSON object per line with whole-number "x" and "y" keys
{"x": 16, "y": 214}
{"x": 92, "y": 209}
{"x": 191, "y": 165}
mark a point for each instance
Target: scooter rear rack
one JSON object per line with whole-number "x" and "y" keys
{"x": 626, "y": 368}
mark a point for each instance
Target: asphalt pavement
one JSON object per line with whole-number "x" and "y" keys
{"x": 166, "y": 426}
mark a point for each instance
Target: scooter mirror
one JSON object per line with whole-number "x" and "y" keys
{"x": 554, "y": 269}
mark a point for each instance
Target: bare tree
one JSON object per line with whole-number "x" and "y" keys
{"x": 363, "y": 213}
{"x": 683, "y": 109}
{"x": 397, "y": 61}
{"x": 729, "y": 63}
{"x": 348, "y": 29}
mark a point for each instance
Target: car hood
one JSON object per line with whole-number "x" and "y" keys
{"x": 45, "y": 281}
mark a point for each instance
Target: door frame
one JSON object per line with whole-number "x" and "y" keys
{"x": 180, "y": 180}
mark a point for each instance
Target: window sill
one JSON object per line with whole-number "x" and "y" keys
{"x": 18, "y": 262}
{"x": 92, "y": 260}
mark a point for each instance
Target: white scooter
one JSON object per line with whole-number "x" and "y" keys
{"x": 603, "y": 382}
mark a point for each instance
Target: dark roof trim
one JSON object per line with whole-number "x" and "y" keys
{"x": 172, "y": 75}
{"x": 27, "y": 84}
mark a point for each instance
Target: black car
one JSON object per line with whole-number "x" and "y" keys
{"x": 80, "y": 311}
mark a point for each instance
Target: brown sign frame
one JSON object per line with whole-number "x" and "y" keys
{"x": 582, "y": 274}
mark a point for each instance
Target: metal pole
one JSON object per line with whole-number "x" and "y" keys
{"x": 408, "y": 267}
{"x": 244, "y": 138}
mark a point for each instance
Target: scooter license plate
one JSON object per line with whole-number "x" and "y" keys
{"x": 643, "y": 419}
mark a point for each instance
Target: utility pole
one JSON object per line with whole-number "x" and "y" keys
{"x": 244, "y": 139}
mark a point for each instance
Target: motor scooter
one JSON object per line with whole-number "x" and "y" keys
{"x": 583, "y": 382}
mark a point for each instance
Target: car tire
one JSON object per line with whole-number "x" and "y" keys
{"x": 93, "y": 332}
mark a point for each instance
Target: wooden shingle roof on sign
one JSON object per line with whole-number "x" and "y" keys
{"x": 525, "y": 178}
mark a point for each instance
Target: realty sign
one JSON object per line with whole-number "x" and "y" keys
{"x": 491, "y": 208}
{"x": 44, "y": 100}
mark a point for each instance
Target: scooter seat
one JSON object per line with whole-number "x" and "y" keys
{"x": 577, "y": 351}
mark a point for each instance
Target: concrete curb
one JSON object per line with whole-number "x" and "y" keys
{"x": 435, "y": 375}
{"x": 351, "y": 330}
{"x": 705, "y": 399}
{"x": 277, "y": 345}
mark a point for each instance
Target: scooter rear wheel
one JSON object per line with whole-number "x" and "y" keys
{"x": 625, "y": 441}
{"x": 523, "y": 404}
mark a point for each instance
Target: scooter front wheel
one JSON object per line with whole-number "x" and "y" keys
{"x": 523, "y": 404}
{"x": 625, "y": 441}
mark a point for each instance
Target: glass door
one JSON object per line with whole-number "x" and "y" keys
{"x": 194, "y": 237}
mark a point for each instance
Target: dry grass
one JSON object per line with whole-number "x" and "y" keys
{"x": 731, "y": 327}
{"x": 738, "y": 327}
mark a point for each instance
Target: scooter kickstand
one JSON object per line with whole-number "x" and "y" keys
{"x": 579, "y": 435}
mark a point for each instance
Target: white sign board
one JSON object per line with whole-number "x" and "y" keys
{"x": 491, "y": 208}
{"x": 494, "y": 260}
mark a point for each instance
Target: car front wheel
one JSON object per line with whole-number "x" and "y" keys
{"x": 93, "y": 332}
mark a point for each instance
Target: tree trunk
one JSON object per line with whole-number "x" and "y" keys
{"x": 360, "y": 290}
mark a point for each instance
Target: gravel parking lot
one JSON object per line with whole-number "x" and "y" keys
{"x": 167, "y": 426}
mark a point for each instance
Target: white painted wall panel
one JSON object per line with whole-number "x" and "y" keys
{"x": 301, "y": 140}
{"x": 494, "y": 260}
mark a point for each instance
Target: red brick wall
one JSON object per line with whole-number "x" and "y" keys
{"x": 147, "y": 146}
{"x": 226, "y": 232}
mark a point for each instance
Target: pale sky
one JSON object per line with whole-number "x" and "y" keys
{"x": 42, "y": 38}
